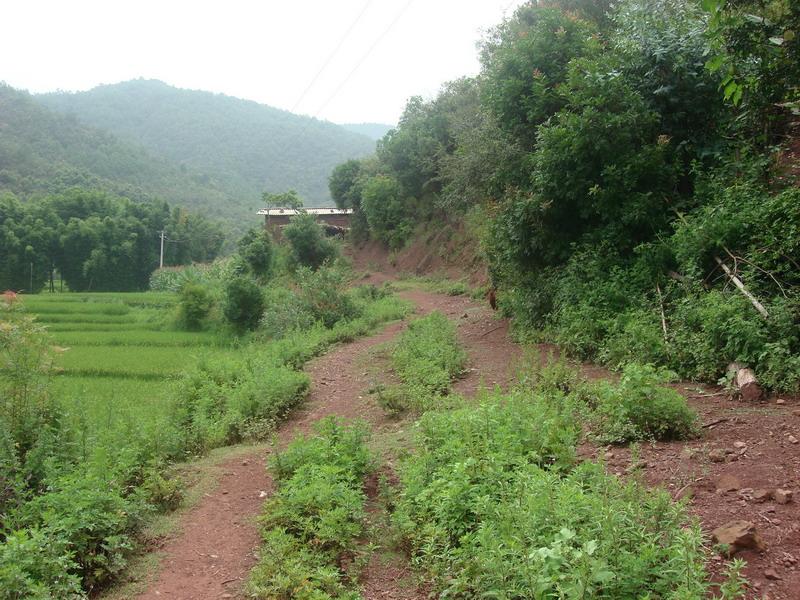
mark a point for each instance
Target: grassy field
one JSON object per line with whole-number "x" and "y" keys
{"x": 120, "y": 355}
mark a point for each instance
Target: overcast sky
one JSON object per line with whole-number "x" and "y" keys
{"x": 266, "y": 50}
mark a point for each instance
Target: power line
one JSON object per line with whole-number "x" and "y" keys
{"x": 332, "y": 54}
{"x": 364, "y": 57}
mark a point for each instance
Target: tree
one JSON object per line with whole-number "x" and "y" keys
{"x": 387, "y": 209}
{"x": 255, "y": 248}
{"x": 244, "y": 303}
{"x": 288, "y": 199}
{"x": 310, "y": 247}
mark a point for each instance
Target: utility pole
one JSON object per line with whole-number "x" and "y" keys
{"x": 161, "y": 260}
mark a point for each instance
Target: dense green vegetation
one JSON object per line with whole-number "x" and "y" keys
{"x": 314, "y": 520}
{"x": 89, "y": 427}
{"x": 493, "y": 500}
{"x": 238, "y": 146}
{"x": 44, "y": 152}
{"x": 96, "y": 241}
{"x": 625, "y": 161}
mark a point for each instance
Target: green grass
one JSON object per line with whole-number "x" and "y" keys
{"x": 127, "y": 361}
{"x": 138, "y": 338}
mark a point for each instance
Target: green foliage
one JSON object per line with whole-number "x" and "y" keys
{"x": 525, "y": 61}
{"x": 172, "y": 279}
{"x": 493, "y": 504}
{"x": 640, "y": 407}
{"x": 323, "y": 294}
{"x": 334, "y": 444}
{"x": 316, "y": 516}
{"x": 244, "y": 303}
{"x": 385, "y": 206}
{"x": 428, "y": 357}
{"x": 226, "y": 400}
{"x": 96, "y": 241}
{"x": 34, "y": 566}
{"x": 256, "y": 250}
{"x": 193, "y": 307}
{"x": 308, "y": 243}
{"x": 224, "y": 147}
{"x": 92, "y": 521}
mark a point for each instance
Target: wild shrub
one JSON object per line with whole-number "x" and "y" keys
{"x": 344, "y": 447}
{"x": 308, "y": 243}
{"x": 194, "y": 304}
{"x": 313, "y": 520}
{"x": 324, "y": 294}
{"x": 255, "y": 249}
{"x": 92, "y": 520}
{"x": 493, "y": 504}
{"x": 244, "y": 303}
{"x": 428, "y": 356}
{"x": 218, "y": 401}
{"x": 292, "y": 569}
{"x": 284, "y": 312}
{"x": 37, "y": 566}
{"x": 640, "y": 407}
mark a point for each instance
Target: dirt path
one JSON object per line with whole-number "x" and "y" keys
{"x": 217, "y": 545}
{"x": 215, "y": 548}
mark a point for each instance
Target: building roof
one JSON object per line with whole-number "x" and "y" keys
{"x": 290, "y": 212}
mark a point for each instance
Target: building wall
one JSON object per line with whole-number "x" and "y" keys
{"x": 276, "y": 222}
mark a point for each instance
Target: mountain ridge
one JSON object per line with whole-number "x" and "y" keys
{"x": 246, "y": 146}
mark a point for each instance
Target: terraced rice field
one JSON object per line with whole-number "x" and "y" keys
{"x": 119, "y": 355}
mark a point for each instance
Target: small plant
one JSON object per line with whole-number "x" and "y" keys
{"x": 428, "y": 357}
{"x": 640, "y": 407}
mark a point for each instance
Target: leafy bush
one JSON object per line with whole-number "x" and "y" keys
{"x": 91, "y": 519}
{"x": 492, "y": 505}
{"x": 194, "y": 304}
{"x": 334, "y": 444}
{"x": 219, "y": 402}
{"x": 172, "y": 279}
{"x": 284, "y": 312}
{"x": 244, "y": 303}
{"x": 35, "y": 566}
{"x": 324, "y": 294}
{"x": 309, "y": 245}
{"x": 385, "y": 207}
{"x": 314, "y": 519}
{"x": 292, "y": 569}
{"x": 428, "y": 356}
{"x": 255, "y": 248}
{"x": 640, "y": 407}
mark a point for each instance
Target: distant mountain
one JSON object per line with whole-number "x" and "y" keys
{"x": 42, "y": 151}
{"x": 244, "y": 147}
{"x": 374, "y": 131}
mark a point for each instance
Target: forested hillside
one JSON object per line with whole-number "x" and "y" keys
{"x": 244, "y": 147}
{"x": 628, "y": 167}
{"x": 45, "y": 152}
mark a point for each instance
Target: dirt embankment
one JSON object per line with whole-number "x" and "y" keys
{"x": 442, "y": 249}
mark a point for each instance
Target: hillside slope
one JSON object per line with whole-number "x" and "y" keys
{"x": 42, "y": 151}
{"x": 245, "y": 146}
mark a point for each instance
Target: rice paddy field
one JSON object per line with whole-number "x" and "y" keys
{"x": 118, "y": 356}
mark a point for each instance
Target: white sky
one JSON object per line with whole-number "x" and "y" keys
{"x": 267, "y": 51}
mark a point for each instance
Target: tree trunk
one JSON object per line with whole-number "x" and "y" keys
{"x": 745, "y": 383}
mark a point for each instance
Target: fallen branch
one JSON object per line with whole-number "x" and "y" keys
{"x": 663, "y": 317}
{"x": 738, "y": 283}
{"x": 491, "y": 330}
{"x": 717, "y": 422}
